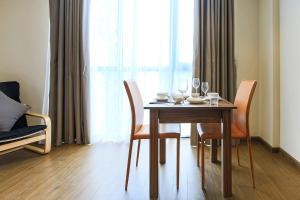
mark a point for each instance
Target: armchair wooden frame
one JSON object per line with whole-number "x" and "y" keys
{"x": 25, "y": 142}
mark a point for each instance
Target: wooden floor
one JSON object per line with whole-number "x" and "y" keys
{"x": 98, "y": 172}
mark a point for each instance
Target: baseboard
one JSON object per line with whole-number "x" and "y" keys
{"x": 289, "y": 157}
{"x": 276, "y": 150}
{"x": 263, "y": 142}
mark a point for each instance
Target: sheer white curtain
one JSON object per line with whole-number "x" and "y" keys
{"x": 150, "y": 41}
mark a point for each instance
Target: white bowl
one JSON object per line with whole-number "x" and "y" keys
{"x": 195, "y": 95}
{"x": 178, "y": 98}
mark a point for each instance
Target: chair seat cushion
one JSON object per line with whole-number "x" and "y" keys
{"x": 165, "y": 131}
{"x": 20, "y": 133}
{"x": 209, "y": 130}
{"x": 214, "y": 131}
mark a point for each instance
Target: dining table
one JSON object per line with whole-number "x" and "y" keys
{"x": 190, "y": 113}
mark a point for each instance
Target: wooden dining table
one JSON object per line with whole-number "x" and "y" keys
{"x": 190, "y": 113}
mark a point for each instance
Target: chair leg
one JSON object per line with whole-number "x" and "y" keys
{"x": 178, "y": 163}
{"x": 251, "y": 161}
{"x": 198, "y": 149}
{"x": 128, "y": 163}
{"x": 238, "y": 153}
{"x": 162, "y": 151}
{"x": 48, "y": 134}
{"x": 138, "y": 153}
{"x": 202, "y": 165}
{"x": 47, "y": 147}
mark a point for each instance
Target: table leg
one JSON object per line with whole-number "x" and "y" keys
{"x": 153, "y": 149}
{"x": 214, "y": 150}
{"x": 162, "y": 151}
{"x": 226, "y": 154}
{"x": 194, "y": 134}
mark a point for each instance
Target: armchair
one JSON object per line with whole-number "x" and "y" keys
{"x": 22, "y": 135}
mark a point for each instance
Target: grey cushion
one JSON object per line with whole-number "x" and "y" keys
{"x": 12, "y": 90}
{"x": 10, "y": 112}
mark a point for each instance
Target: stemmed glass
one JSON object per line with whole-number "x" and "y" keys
{"x": 183, "y": 87}
{"x": 204, "y": 88}
{"x": 196, "y": 83}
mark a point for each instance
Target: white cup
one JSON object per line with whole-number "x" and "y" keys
{"x": 162, "y": 95}
{"x": 213, "y": 95}
{"x": 213, "y": 98}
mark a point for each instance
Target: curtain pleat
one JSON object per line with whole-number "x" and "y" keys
{"x": 214, "y": 47}
{"x": 68, "y": 99}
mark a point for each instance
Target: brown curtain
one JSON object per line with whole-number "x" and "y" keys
{"x": 214, "y": 47}
{"x": 68, "y": 106}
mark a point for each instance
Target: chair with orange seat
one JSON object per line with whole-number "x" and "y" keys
{"x": 239, "y": 126}
{"x": 139, "y": 131}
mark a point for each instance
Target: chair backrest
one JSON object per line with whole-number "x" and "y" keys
{"x": 12, "y": 90}
{"x": 136, "y": 105}
{"x": 242, "y": 101}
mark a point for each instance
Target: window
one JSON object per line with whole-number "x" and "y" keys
{"x": 149, "y": 41}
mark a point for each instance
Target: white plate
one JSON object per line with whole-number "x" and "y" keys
{"x": 192, "y": 100}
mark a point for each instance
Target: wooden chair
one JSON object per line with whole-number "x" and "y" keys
{"x": 239, "y": 127}
{"x": 22, "y": 135}
{"x": 139, "y": 131}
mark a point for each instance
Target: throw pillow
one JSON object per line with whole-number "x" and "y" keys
{"x": 10, "y": 112}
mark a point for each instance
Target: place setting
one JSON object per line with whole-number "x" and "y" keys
{"x": 181, "y": 98}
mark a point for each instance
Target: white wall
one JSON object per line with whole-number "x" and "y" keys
{"x": 246, "y": 51}
{"x": 290, "y": 76}
{"x": 269, "y": 72}
{"x": 24, "y": 28}
{"x": 257, "y": 53}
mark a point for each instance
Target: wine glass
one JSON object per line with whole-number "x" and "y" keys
{"x": 196, "y": 83}
{"x": 204, "y": 87}
{"x": 183, "y": 87}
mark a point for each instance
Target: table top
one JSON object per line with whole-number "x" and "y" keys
{"x": 223, "y": 104}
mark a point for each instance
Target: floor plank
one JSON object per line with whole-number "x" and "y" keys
{"x": 98, "y": 172}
